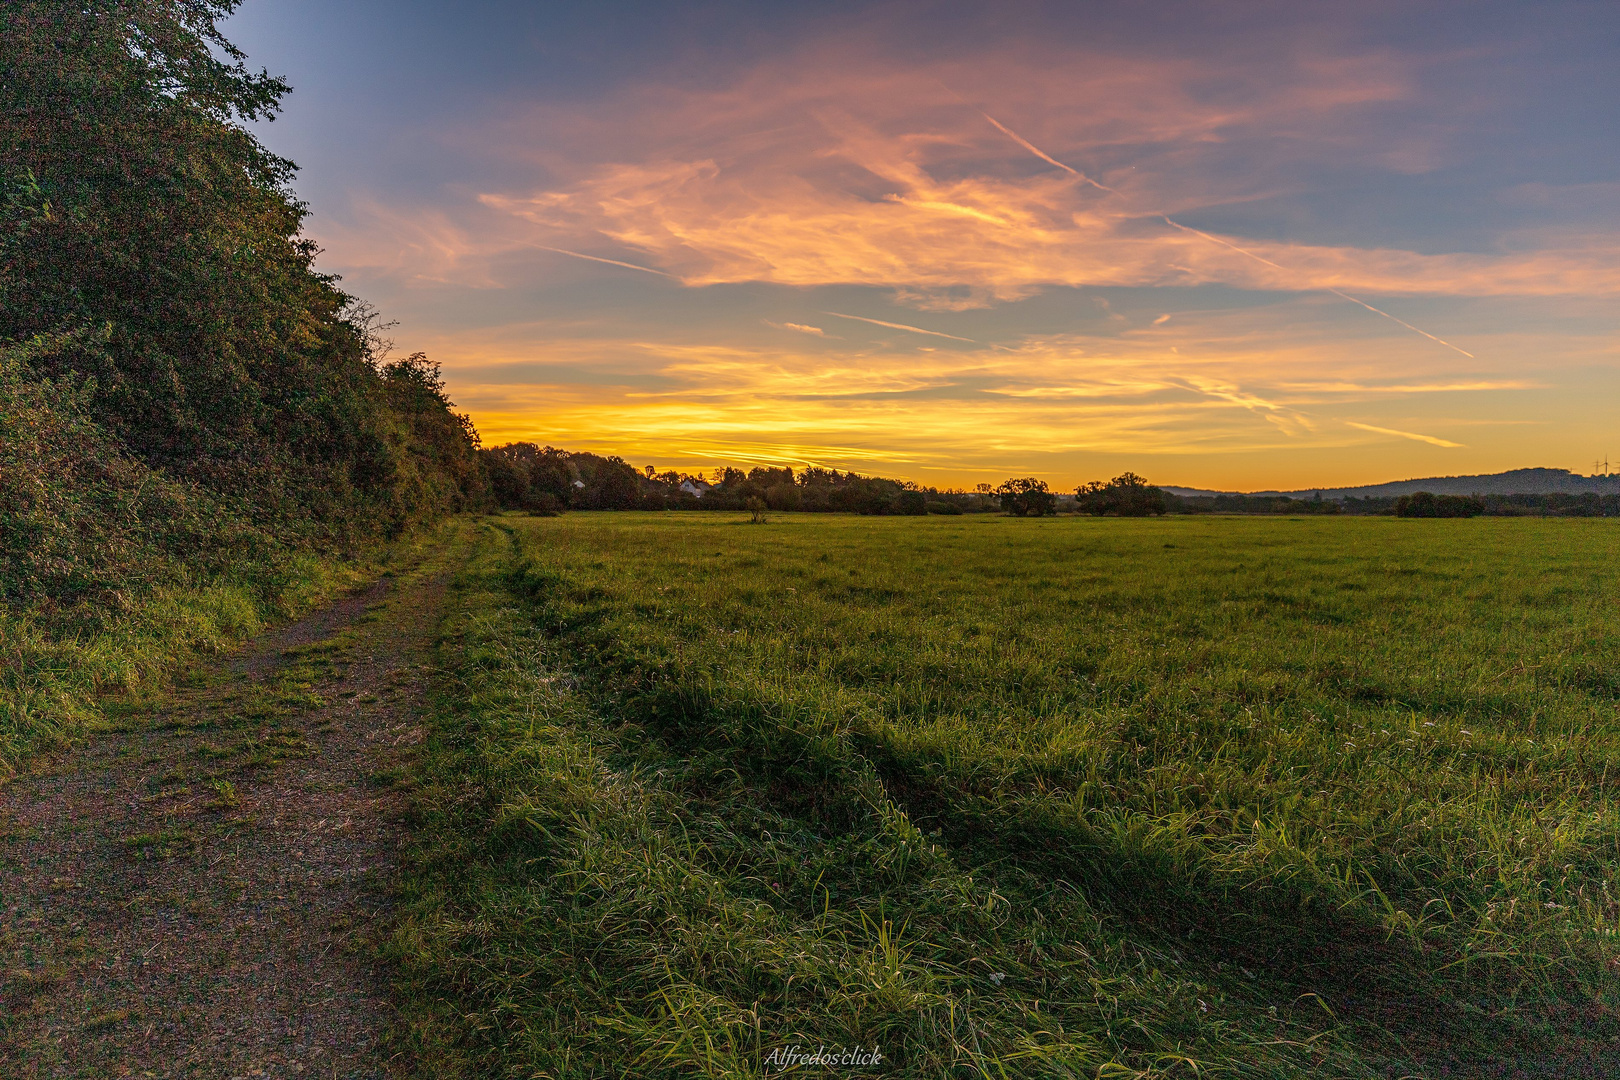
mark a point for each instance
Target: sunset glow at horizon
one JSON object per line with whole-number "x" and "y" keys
{"x": 1275, "y": 249}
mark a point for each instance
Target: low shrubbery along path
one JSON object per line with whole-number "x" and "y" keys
{"x": 192, "y": 893}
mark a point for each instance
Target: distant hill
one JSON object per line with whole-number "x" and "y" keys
{"x": 1513, "y": 482}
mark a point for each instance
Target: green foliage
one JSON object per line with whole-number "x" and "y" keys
{"x": 187, "y": 408}
{"x": 177, "y": 380}
{"x": 1127, "y": 495}
{"x": 1028, "y": 798}
{"x": 77, "y": 516}
{"x": 914, "y": 503}
{"x": 545, "y": 480}
{"x": 784, "y": 495}
{"x": 1269, "y": 504}
{"x": 523, "y": 476}
{"x": 1026, "y": 497}
{"x": 146, "y": 211}
{"x": 1422, "y": 504}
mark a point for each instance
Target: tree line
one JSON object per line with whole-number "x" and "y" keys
{"x": 546, "y": 480}
{"x": 1420, "y": 504}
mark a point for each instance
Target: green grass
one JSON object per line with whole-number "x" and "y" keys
{"x": 1024, "y": 798}
{"x": 60, "y": 679}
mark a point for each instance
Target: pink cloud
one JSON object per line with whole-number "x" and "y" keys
{"x": 856, "y": 170}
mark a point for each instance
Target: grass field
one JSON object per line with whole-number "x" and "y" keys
{"x": 1001, "y": 797}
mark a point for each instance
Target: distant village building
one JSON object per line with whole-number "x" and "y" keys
{"x": 695, "y": 487}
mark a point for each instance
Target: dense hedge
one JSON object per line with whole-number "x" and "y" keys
{"x": 174, "y": 373}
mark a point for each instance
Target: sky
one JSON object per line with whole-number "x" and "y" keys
{"x": 1234, "y": 246}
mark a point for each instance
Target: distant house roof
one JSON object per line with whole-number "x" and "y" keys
{"x": 693, "y": 486}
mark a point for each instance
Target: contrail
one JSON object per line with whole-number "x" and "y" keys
{"x": 1044, "y": 156}
{"x": 1409, "y": 435}
{"x": 902, "y": 326}
{"x": 1325, "y": 288}
{"x": 610, "y": 262}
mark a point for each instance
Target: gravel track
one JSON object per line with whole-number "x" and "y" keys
{"x": 194, "y": 892}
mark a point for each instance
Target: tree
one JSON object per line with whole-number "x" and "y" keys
{"x": 152, "y": 211}
{"x": 1134, "y": 497}
{"x": 1026, "y": 497}
{"x": 1089, "y": 498}
{"x": 783, "y": 496}
{"x": 911, "y": 502}
{"x": 1127, "y": 495}
{"x": 524, "y": 476}
{"x": 864, "y": 495}
{"x": 605, "y": 483}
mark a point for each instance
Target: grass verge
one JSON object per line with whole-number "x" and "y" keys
{"x": 56, "y": 676}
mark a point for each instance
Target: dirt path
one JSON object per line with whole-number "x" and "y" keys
{"x": 190, "y": 894}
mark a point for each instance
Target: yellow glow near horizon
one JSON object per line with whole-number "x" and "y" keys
{"x": 1242, "y": 412}
{"x": 892, "y": 246}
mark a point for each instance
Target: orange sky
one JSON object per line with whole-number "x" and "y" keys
{"x": 1240, "y": 255}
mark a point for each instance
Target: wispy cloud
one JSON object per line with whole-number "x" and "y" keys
{"x": 870, "y": 178}
{"x": 1231, "y": 403}
{"x": 798, "y": 328}
{"x": 838, "y": 175}
{"x": 1044, "y": 156}
{"x": 899, "y": 326}
{"x": 1168, "y": 220}
{"x": 1368, "y": 390}
{"x": 1432, "y": 440}
{"x": 600, "y": 259}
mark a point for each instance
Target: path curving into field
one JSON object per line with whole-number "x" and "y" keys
{"x": 193, "y": 893}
